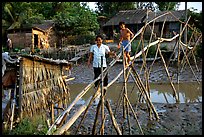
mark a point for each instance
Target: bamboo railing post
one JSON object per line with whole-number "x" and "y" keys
{"x": 125, "y": 106}
{"x": 52, "y": 113}
{"x": 102, "y": 97}
{"x": 114, "y": 122}
{"x": 124, "y": 82}
{"x": 128, "y": 101}
{"x": 96, "y": 118}
{"x": 91, "y": 101}
{"x": 20, "y": 87}
{"x": 178, "y": 60}
{"x": 145, "y": 92}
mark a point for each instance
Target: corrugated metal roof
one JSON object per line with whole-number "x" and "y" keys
{"x": 138, "y": 16}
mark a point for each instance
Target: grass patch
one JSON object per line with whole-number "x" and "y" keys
{"x": 30, "y": 126}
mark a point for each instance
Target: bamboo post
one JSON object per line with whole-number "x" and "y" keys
{"x": 103, "y": 124}
{"x": 113, "y": 118}
{"x": 124, "y": 82}
{"x": 145, "y": 92}
{"x": 96, "y": 94}
{"x": 52, "y": 113}
{"x": 128, "y": 101}
{"x": 178, "y": 60}
{"x": 102, "y": 97}
{"x": 96, "y": 118}
{"x": 66, "y": 126}
{"x": 20, "y": 87}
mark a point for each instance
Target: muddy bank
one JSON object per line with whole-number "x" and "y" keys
{"x": 180, "y": 119}
{"x": 175, "y": 119}
{"x": 84, "y": 74}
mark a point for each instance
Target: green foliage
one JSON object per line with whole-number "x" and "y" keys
{"x": 82, "y": 39}
{"x": 75, "y": 21}
{"x": 137, "y": 48}
{"x": 151, "y": 52}
{"x": 162, "y": 6}
{"x": 198, "y": 52}
{"x": 30, "y": 126}
{"x": 196, "y": 20}
{"x": 163, "y": 47}
{"x": 109, "y": 9}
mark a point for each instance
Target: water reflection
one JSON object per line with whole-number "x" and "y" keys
{"x": 160, "y": 93}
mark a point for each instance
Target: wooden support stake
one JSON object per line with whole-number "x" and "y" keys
{"x": 96, "y": 118}
{"x": 66, "y": 126}
{"x": 102, "y": 97}
{"x": 96, "y": 95}
{"x": 52, "y": 113}
{"x": 113, "y": 118}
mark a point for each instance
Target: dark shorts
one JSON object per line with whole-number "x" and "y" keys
{"x": 97, "y": 72}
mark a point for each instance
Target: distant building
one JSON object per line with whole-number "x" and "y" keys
{"x": 135, "y": 19}
{"x": 35, "y": 36}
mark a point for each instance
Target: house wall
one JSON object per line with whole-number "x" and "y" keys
{"x": 20, "y": 39}
{"x": 52, "y": 38}
{"x": 41, "y": 39}
{"x": 42, "y": 83}
{"x": 45, "y": 39}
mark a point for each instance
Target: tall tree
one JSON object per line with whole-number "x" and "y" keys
{"x": 162, "y": 6}
{"x": 109, "y": 9}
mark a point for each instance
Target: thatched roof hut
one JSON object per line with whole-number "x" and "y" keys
{"x": 40, "y": 35}
{"x": 135, "y": 19}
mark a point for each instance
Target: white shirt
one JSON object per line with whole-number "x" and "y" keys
{"x": 6, "y": 58}
{"x": 97, "y": 53}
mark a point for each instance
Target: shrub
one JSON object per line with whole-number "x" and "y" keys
{"x": 30, "y": 126}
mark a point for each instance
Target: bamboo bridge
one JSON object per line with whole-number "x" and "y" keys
{"x": 127, "y": 72}
{"x": 60, "y": 124}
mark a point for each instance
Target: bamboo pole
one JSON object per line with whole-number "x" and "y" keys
{"x": 126, "y": 108}
{"x": 102, "y": 125}
{"x": 102, "y": 97}
{"x": 96, "y": 118}
{"x": 71, "y": 105}
{"x": 124, "y": 82}
{"x": 66, "y": 126}
{"x": 20, "y": 87}
{"x": 128, "y": 101}
{"x": 114, "y": 122}
{"x": 145, "y": 93}
{"x": 52, "y": 113}
{"x": 91, "y": 101}
{"x": 167, "y": 72}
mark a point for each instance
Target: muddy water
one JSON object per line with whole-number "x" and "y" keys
{"x": 160, "y": 93}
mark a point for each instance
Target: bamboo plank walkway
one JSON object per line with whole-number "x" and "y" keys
{"x": 79, "y": 56}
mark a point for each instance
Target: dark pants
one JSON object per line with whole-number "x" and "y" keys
{"x": 97, "y": 72}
